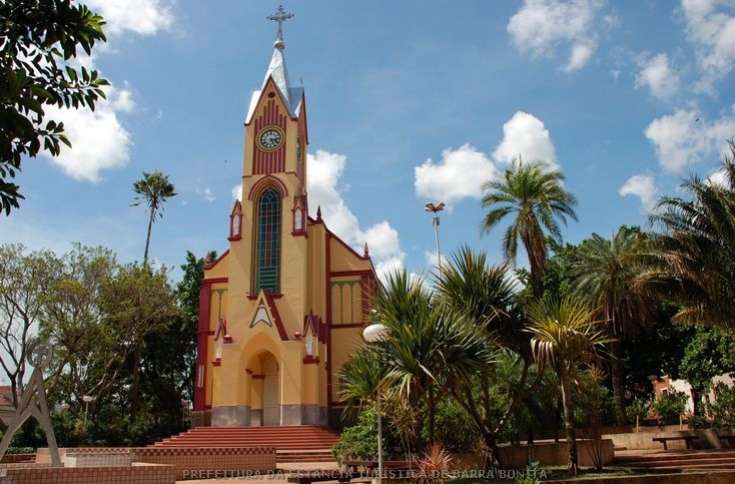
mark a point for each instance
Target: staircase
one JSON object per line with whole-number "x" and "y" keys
{"x": 293, "y": 443}
{"x": 696, "y": 459}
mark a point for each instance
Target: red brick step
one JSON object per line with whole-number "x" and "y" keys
{"x": 314, "y": 443}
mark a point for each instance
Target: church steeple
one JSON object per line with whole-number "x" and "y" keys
{"x": 277, "y": 71}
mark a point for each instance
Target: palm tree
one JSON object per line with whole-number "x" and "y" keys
{"x": 534, "y": 193}
{"x": 422, "y": 344}
{"x": 153, "y": 190}
{"x": 696, "y": 250}
{"x": 468, "y": 285}
{"x": 606, "y": 274}
{"x": 565, "y": 335}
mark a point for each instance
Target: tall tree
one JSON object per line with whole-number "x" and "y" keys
{"x": 696, "y": 248}
{"x": 89, "y": 353}
{"x": 565, "y": 335}
{"x": 535, "y": 195}
{"x": 606, "y": 274}
{"x": 152, "y": 190}
{"x": 39, "y": 37}
{"x": 25, "y": 281}
{"x": 96, "y": 315}
{"x": 139, "y": 302}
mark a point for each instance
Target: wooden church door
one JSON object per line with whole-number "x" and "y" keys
{"x": 271, "y": 400}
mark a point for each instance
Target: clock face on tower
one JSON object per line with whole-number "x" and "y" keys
{"x": 270, "y": 138}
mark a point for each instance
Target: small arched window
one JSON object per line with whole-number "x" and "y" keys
{"x": 236, "y": 222}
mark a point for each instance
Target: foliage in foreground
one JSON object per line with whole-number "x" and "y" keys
{"x": 39, "y": 37}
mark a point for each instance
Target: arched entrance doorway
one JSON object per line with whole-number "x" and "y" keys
{"x": 263, "y": 393}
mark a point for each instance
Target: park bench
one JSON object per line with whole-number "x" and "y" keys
{"x": 687, "y": 438}
{"x": 729, "y": 438}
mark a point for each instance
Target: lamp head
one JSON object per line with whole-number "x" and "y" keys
{"x": 375, "y": 332}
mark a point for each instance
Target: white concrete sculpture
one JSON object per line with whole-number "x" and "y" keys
{"x": 33, "y": 403}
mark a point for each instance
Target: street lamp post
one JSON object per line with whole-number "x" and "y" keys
{"x": 375, "y": 333}
{"x": 435, "y": 209}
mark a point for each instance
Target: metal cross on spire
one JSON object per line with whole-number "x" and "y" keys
{"x": 280, "y": 16}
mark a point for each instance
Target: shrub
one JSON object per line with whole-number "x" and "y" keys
{"x": 434, "y": 465}
{"x": 638, "y": 410}
{"x": 454, "y": 428}
{"x": 360, "y": 441}
{"x": 722, "y": 410}
{"x": 670, "y": 407}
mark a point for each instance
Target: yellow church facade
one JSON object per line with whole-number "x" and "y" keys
{"x": 283, "y": 308}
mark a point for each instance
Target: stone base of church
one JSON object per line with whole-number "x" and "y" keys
{"x": 303, "y": 415}
{"x": 231, "y": 416}
{"x": 201, "y": 419}
{"x": 244, "y": 416}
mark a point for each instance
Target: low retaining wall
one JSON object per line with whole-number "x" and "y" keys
{"x": 590, "y": 453}
{"x": 212, "y": 462}
{"x": 643, "y": 440}
{"x": 188, "y": 463}
{"x": 138, "y": 473}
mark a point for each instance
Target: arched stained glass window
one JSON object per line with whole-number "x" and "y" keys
{"x": 268, "y": 243}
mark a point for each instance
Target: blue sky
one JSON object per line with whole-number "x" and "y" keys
{"x": 408, "y": 102}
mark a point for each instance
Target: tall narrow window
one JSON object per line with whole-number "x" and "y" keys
{"x": 269, "y": 241}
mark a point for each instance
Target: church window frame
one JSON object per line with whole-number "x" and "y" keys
{"x": 267, "y": 243}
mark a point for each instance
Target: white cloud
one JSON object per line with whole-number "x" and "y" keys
{"x": 581, "y": 54}
{"x": 643, "y": 187}
{"x": 432, "y": 260}
{"x": 541, "y": 26}
{"x": 237, "y": 192}
{"x": 385, "y": 249}
{"x": 526, "y": 136}
{"x": 121, "y": 99}
{"x": 460, "y": 174}
{"x": 710, "y": 26}
{"x": 683, "y": 138}
{"x": 382, "y": 239}
{"x": 657, "y": 75}
{"x": 99, "y": 141}
{"x": 143, "y": 17}
{"x": 207, "y": 193}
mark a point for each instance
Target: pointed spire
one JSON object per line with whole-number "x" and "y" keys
{"x": 292, "y": 97}
{"x": 277, "y": 68}
{"x": 319, "y": 213}
{"x": 367, "y": 251}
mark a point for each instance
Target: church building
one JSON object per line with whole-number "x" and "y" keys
{"x": 281, "y": 310}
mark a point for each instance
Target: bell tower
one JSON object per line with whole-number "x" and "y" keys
{"x": 282, "y": 309}
{"x": 274, "y": 174}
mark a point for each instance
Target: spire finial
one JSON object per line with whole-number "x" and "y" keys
{"x": 280, "y": 16}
